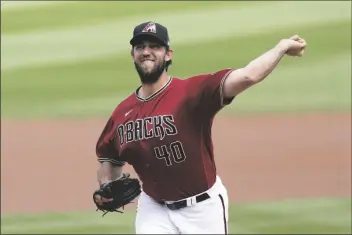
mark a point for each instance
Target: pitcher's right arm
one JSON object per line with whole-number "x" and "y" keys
{"x": 108, "y": 172}
{"x": 107, "y": 153}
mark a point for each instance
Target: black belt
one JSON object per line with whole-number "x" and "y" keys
{"x": 183, "y": 203}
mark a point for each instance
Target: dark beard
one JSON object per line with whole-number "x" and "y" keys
{"x": 153, "y": 76}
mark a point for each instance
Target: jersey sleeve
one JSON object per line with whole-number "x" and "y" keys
{"x": 105, "y": 147}
{"x": 206, "y": 91}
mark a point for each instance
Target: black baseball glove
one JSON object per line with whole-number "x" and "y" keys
{"x": 122, "y": 191}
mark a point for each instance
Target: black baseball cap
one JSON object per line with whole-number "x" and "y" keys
{"x": 150, "y": 29}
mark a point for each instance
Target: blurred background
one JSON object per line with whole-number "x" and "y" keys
{"x": 283, "y": 148}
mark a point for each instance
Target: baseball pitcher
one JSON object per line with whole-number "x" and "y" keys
{"x": 163, "y": 130}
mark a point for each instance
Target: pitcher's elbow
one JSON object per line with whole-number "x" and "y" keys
{"x": 250, "y": 80}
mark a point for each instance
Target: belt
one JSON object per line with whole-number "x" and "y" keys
{"x": 183, "y": 203}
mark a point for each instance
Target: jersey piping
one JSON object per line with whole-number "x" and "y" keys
{"x": 112, "y": 161}
{"x": 155, "y": 93}
{"x": 222, "y": 104}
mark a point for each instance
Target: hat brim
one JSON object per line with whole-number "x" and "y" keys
{"x": 146, "y": 35}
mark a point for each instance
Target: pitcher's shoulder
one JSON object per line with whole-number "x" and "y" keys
{"x": 125, "y": 105}
{"x": 186, "y": 79}
{"x": 181, "y": 81}
{"x": 209, "y": 73}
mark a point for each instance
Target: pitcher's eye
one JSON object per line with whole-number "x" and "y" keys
{"x": 154, "y": 46}
{"x": 139, "y": 47}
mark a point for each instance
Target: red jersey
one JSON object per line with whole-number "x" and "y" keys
{"x": 167, "y": 136}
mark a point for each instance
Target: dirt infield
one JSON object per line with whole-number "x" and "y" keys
{"x": 51, "y": 166}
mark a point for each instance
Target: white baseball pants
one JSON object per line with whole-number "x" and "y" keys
{"x": 206, "y": 217}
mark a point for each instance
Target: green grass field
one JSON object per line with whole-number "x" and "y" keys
{"x": 318, "y": 216}
{"x": 67, "y": 59}
{"x": 70, "y": 59}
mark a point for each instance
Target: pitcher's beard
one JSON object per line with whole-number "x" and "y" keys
{"x": 150, "y": 77}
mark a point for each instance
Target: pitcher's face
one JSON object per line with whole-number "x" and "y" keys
{"x": 150, "y": 60}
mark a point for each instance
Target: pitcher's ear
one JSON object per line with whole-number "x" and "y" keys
{"x": 169, "y": 55}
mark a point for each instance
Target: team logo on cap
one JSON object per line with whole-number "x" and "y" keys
{"x": 150, "y": 28}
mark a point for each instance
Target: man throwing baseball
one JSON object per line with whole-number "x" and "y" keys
{"x": 163, "y": 130}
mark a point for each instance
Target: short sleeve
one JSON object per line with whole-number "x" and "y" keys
{"x": 105, "y": 147}
{"x": 206, "y": 91}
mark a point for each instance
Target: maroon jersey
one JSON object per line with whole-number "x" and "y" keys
{"x": 167, "y": 136}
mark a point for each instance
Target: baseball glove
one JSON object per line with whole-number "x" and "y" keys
{"x": 122, "y": 191}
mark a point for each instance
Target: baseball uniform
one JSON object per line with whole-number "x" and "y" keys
{"x": 166, "y": 137}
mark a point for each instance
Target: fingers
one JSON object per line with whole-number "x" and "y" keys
{"x": 298, "y": 39}
{"x": 100, "y": 200}
{"x": 303, "y": 42}
{"x": 295, "y": 37}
